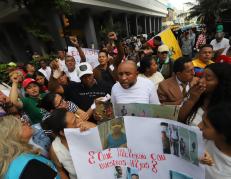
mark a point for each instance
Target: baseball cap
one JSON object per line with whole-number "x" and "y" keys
{"x": 12, "y": 64}
{"x": 163, "y": 48}
{"x": 84, "y": 69}
{"x": 220, "y": 28}
{"x": 28, "y": 81}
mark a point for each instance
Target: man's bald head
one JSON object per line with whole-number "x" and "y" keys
{"x": 127, "y": 74}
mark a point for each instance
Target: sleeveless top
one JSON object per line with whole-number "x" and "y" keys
{"x": 64, "y": 157}
{"x": 115, "y": 143}
{"x": 18, "y": 164}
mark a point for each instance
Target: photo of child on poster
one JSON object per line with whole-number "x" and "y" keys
{"x": 113, "y": 134}
{"x": 126, "y": 173}
{"x": 180, "y": 142}
{"x": 177, "y": 175}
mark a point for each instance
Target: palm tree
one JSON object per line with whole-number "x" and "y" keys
{"x": 208, "y": 11}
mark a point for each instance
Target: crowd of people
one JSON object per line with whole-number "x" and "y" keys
{"x": 41, "y": 102}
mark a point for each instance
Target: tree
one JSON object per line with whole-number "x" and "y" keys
{"x": 35, "y": 23}
{"x": 209, "y": 11}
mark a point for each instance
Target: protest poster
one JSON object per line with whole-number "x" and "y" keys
{"x": 91, "y": 55}
{"x": 169, "y": 39}
{"x": 147, "y": 110}
{"x": 138, "y": 147}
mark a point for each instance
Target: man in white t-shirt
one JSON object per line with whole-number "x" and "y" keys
{"x": 219, "y": 43}
{"x": 45, "y": 70}
{"x": 61, "y": 60}
{"x": 131, "y": 88}
{"x": 72, "y": 69}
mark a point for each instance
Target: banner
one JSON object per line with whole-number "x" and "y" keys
{"x": 90, "y": 54}
{"x": 147, "y": 110}
{"x": 135, "y": 147}
{"x": 169, "y": 39}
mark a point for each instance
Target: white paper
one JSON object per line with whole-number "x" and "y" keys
{"x": 144, "y": 150}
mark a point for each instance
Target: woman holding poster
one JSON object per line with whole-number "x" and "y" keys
{"x": 59, "y": 152}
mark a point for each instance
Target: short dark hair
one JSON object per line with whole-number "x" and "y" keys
{"x": 220, "y": 117}
{"x": 158, "y": 38}
{"x": 103, "y": 51}
{"x": 206, "y": 45}
{"x": 178, "y": 65}
{"x": 69, "y": 56}
{"x": 56, "y": 121}
{"x": 47, "y": 102}
{"x": 145, "y": 63}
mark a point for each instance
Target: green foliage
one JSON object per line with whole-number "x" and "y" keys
{"x": 38, "y": 11}
{"x": 38, "y": 31}
{"x": 207, "y": 9}
{"x": 3, "y": 72}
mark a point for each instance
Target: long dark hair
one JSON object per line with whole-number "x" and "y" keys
{"x": 56, "y": 121}
{"x": 38, "y": 73}
{"x": 220, "y": 118}
{"x": 223, "y": 90}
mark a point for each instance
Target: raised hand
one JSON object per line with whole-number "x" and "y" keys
{"x": 74, "y": 41}
{"x": 112, "y": 36}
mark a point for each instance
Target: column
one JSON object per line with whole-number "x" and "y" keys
{"x": 14, "y": 42}
{"x": 89, "y": 31}
{"x": 145, "y": 25}
{"x": 150, "y": 24}
{"x": 55, "y": 28}
{"x": 154, "y": 24}
{"x": 136, "y": 24}
{"x": 160, "y": 24}
{"x": 126, "y": 24}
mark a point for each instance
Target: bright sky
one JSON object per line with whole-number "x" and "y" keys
{"x": 179, "y": 4}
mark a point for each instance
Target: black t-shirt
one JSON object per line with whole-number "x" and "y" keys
{"x": 84, "y": 97}
{"x": 107, "y": 79}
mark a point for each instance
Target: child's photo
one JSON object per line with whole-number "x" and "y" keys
{"x": 113, "y": 134}
{"x": 126, "y": 173}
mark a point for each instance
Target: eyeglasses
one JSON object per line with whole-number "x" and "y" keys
{"x": 60, "y": 103}
{"x": 165, "y": 52}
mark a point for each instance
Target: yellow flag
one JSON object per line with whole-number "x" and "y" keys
{"x": 169, "y": 39}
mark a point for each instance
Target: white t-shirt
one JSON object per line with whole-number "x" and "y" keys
{"x": 225, "y": 51}
{"x": 224, "y": 43}
{"x": 62, "y": 65}
{"x": 64, "y": 157}
{"x": 198, "y": 117}
{"x": 143, "y": 91}
{"x": 156, "y": 78}
{"x": 222, "y": 163}
{"x": 46, "y": 72}
{"x": 73, "y": 75}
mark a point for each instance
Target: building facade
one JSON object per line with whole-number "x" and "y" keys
{"x": 90, "y": 21}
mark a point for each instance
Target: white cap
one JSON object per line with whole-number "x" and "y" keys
{"x": 163, "y": 48}
{"x": 84, "y": 69}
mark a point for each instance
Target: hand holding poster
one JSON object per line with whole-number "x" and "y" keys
{"x": 149, "y": 148}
